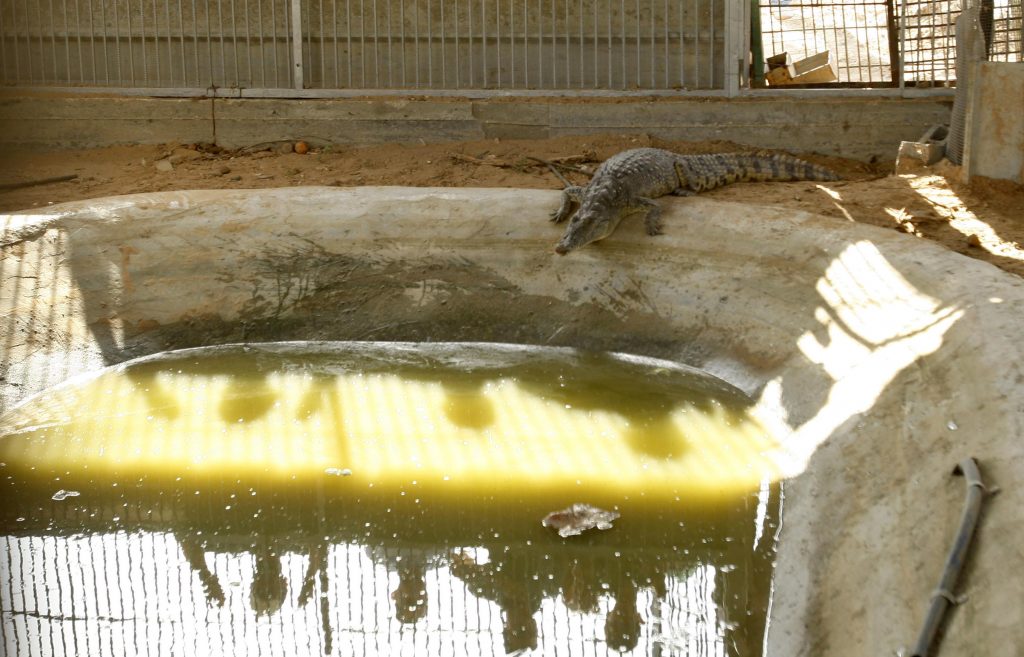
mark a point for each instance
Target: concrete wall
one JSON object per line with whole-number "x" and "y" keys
{"x": 856, "y": 127}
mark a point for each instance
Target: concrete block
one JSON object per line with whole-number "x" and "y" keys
{"x": 994, "y": 145}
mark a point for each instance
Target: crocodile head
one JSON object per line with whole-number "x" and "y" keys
{"x": 588, "y": 225}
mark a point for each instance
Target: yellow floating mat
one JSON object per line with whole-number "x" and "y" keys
{"x": 449, "y": 417}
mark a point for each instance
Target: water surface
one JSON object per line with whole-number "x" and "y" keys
{"x": 339, "y": 498}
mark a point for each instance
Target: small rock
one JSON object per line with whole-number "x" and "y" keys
{"x": 285, "y": 148}
{"x": 164, "y": 165}
{"x": 224, "y": 170}
{"x": 235, "y": 178}
{"x": 974, "y": 241}
{"x": 301, "y": 147}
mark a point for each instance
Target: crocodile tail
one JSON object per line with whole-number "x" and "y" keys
{"x": 700, "y": 172}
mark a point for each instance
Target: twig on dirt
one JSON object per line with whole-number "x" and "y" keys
{"x": 40, "y": 181}
{"x": 554, "y": 170}
{"x": 557, "y": 162}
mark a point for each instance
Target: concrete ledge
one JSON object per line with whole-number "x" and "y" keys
{"x": 860, "y": 128}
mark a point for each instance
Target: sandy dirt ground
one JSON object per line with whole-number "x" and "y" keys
{"x": 984, "y": 220}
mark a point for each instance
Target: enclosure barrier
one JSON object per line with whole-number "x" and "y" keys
{"x": 334, "y": 47}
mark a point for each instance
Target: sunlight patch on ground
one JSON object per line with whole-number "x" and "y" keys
{"x": 935, "y": 190}
{"x": 874, "y": 324}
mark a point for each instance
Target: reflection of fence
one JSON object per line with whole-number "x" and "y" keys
{"x": 370, "y": 44}
{"x": 140, "y": 593}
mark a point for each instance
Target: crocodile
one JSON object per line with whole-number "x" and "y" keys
{"x": 626, "y": 182}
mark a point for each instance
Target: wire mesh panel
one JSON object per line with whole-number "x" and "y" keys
{"x": 364, "y": 44}
{"x": 856, "y": 34}
{"x": 145, "y": 43}
{"x": 514, "y": 44}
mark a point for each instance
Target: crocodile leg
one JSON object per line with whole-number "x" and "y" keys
{"x": 651, "y": 212}
{"x": 571, "y": 198}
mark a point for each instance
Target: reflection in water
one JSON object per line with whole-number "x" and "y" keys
{"x": 158, "y": 558}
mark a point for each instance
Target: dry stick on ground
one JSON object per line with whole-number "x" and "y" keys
{"x": 40, "y": 181}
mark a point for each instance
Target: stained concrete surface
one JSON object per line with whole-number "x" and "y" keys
{"x": 881, "y": 361}
{"x": 865, "y": 127}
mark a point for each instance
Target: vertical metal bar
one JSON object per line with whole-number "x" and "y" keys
{"x": 131, "y": 39}
{"x": 696, "y": 41}
{"x": 497, "y": 38}
{"x": 526, "y": 44}
{"x": 554, "y": 45}
{"x": 540, "y": 44}
{"x": 568, "y": 49}
{"x": 608, "y": 20}
{"x": 391, "y": 83}
{"x": 156, "y": 44}
{"x": 472, "y": 47}
{"x": 117, "y": 43}
{"x": 297, "y": 71}
{"x": 638, "y": 56}
{"x": 195, "y": 42}
{"x": 92, "y": 44}
{"x": 483, "y": 31}
{"x": 654, "y": 47}
{"x": 223, "y": 58}
{"x": 682, "y": 45}
{"x": 334, "y": 29}
{"x": 53, "y": 41}
{"x": 348, "y": 27}
{"x": 903, "y": 44}
{"x": 260, "y": 46}
{"x": 67, "y": 42}
{"x": 3, "y": 72}
{"x": 376, "y": 48}
{"x": 582, "y": 58}
{"x": 711, "y": 44}
{"x": 416, "y": 40}
{"x": 512, "y": 40}
{"x": 181, "y": 42}
{"x": 594, "y": 49}
{"x": 234, "y": 45}
{"x": 622, "y": 39}
{"x": 142, "y": 30}
{"x": 444, "y": 48}
{"x": 401, "y": 20}
{"x": 248, "y": 44}
{"x": 665, "y": 20}
{"x": 430, "y": 46}
{"x": 323, "y": 61}
{"x": 274, "y": 39}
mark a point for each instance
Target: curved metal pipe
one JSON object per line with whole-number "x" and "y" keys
{"x": 943, "y": 595}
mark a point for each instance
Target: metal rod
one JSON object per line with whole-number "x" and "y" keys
{"x": 472, "y": 58}
{"x": 142, "y": 30}
{"x": 391, "y": 82}
{"x": 376, "y": 48}
{"x": 67, "y": 43}
{"x": 483, "y": 30}
{"x": 943, "y": 595}
{"x": 297, "y": 73}
{"x": 334, "y": 29}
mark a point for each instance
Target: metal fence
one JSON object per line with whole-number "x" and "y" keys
{"x": 866, "y": 37}
{"x": 273, "y": 47}
{"x": 364, "y": 44}
{"x": 929, "y": 48}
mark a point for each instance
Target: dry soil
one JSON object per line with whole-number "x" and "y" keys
{"x": 984, "y": 220}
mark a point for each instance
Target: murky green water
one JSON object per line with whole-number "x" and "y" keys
{"x": 384, "y": 499}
